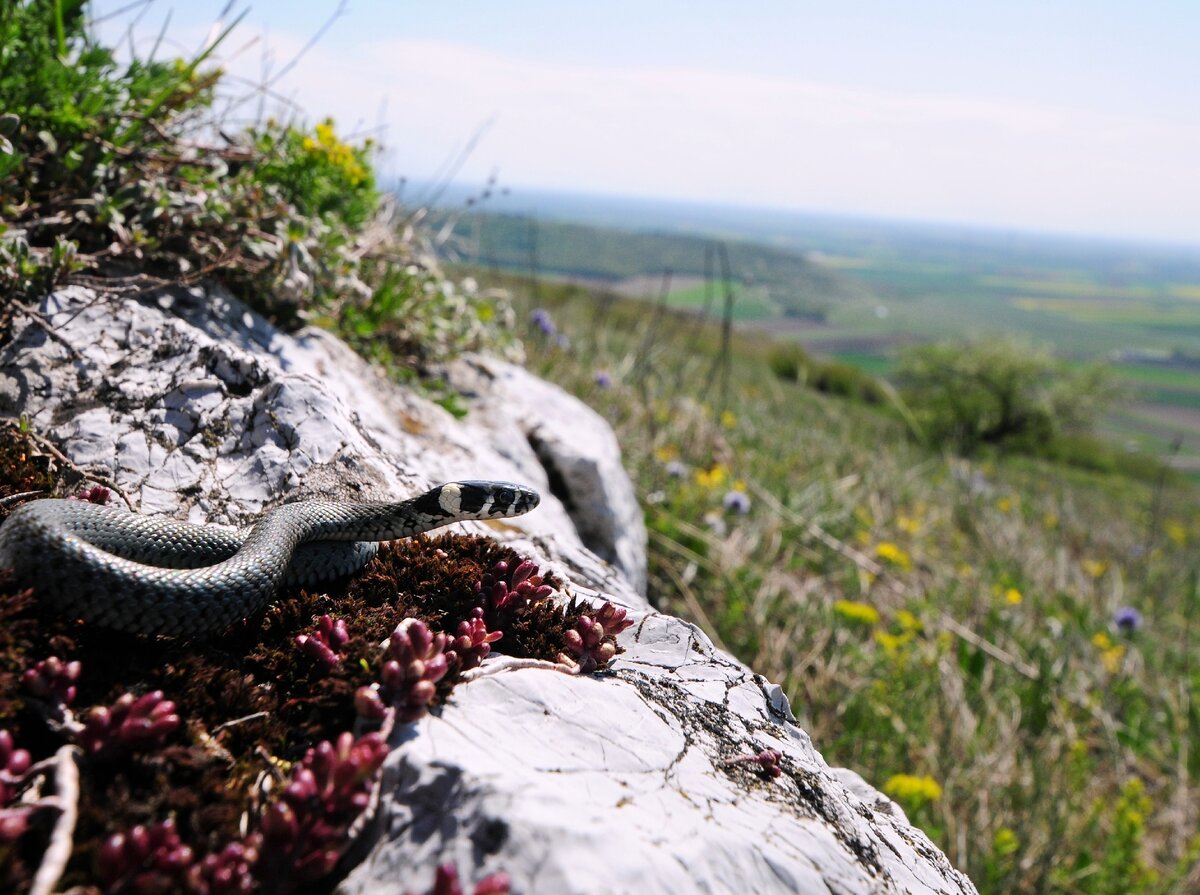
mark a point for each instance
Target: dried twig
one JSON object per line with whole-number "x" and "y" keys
{"x": 50, "y": 448}
{"x": 502, "y": 664}
{"x": 48, "y": 328}
{"x": 66, "y": 800}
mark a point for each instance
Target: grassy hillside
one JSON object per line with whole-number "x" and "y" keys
{"x": 1008, "y": 648}
{"x": 783, "y": 283}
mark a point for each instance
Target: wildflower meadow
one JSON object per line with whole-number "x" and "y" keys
{"x": 1005, "y": 646}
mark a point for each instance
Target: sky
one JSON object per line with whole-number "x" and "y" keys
{"x": 1056, "y": 115}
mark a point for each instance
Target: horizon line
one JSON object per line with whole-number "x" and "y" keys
{"x": 717, "y": 205}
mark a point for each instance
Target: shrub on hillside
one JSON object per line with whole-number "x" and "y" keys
{"x": 1002, "y": 391}
{"x": 1085, "y": 451}
{"x": 789, "y": 362}
{"x": 792, "y": 363}
{"x": 848, "y": 381}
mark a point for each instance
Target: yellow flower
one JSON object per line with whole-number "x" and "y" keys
{"x": 908, "y": 621}
{"x": 891, "y": 643}
{"x": 1012, "y": 596}
{"x": 1176, "y": 532}
{"x": 340, "y": 155}
{"x": 325, "y": 133}
{"x": 913, "y": 791}
{"x": 891, "y": 553}
{"x": 1095, "y": 567}
{"x": 965, "y": 570}
{"x": 1004, "y": 504}
{"x": 1111, "y": 658}
{"x": 712, "y": 478}
{"x": 908, "y": 525}
{"x": 728, "y": 420}
{"x": 666, "y": 453}
{"x": 1110, "y": 655}
{"x": 1005, "y": 842}
{"x": 1133, "y": 805}
{"x": 1050, "y": 520}
{"x": 854, "y": 611}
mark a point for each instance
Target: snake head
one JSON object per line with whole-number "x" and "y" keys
{"x": 487, "y": 500}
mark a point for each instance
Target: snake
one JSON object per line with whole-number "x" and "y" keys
{"x": 152, "y": 575}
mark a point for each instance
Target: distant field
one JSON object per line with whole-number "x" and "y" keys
{"x": 862, "y": 291}
{"x": 751, "y": 303}
{"x": 1085, "y": 320}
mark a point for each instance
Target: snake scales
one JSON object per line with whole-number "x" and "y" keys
{"x": 150, "y": 575}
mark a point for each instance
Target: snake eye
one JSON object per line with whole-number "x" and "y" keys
{"x": 506, "y": 497}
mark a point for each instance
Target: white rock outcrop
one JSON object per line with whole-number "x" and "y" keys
{"x": 577, "y": 451}
{"x": 612, "y": 783}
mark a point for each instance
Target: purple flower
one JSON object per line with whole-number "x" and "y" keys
{"x": 14, "y": 763}
{"x": 446, "y": 882}
{"x": 592, "y": 642}
{"x": 737, "y": 502}
{"x": 53, "y": 679}
{"x": 506, "y": 592}
{"x": 145, "y": 859}
{"x": 540, "y": 318}
{"x": 769, "y": 760}
{"x": 228, "y": 871}
{"x": 417, "y": 660}
{"x": 304, "y": 831}
{"x": 96, "y": 494}
{"x": 473, "y": 642}
{"x": 603, "y": 380}
{"x": 1127, "y": 619}
{"x": 131, "y": 724}
{"x": 677, "y": 469}
{"x": 323, "y": 643}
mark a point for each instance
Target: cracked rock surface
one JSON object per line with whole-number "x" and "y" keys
{"x": 611, "y": 783}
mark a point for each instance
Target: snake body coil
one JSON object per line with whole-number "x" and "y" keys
{"x": 149, "y": 575}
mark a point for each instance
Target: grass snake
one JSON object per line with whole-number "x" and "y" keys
{"x": 150, "y": 575}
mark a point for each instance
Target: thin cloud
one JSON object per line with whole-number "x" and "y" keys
{"x": 727, "y": 136}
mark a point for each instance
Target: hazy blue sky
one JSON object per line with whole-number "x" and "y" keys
{"x": 1065, "y": 116}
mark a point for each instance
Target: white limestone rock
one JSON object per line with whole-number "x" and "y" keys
{"x": 610, "y": 783}
{"x": 572, "y": 443}
{"x": 617, "y": 783}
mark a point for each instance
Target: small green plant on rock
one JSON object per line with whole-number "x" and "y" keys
{"x": 116, "y": 174}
